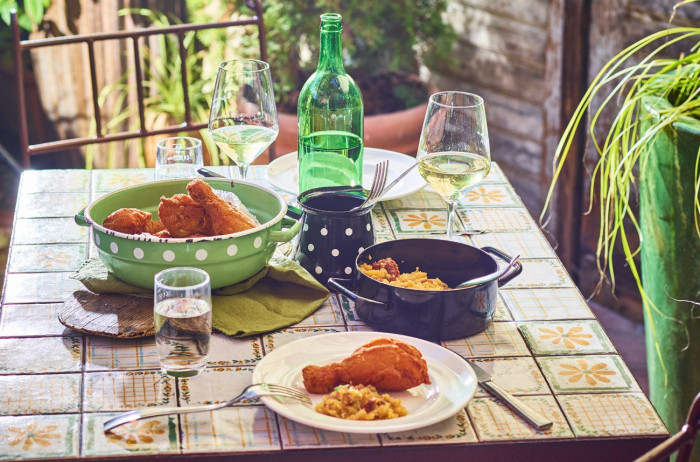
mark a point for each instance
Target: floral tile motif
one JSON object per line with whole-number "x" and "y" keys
{"x": 566, "y": 337}
{"x": 327, "y": 315}
{"x": 425, "y": 198}
{"x": 456, "y": 429}
{"x": 234, "y": 429}
{"x": 55, "y": 287}
{"x": 419, "y": 221}
{"x": 39, "y": 436}
{"x": 611, "y": 414}
{"x": 214, "y": 385}
{"x": 501, "y": 313}
{"x": 494, "y": 421}
{"x": 48, "y": 231}
{"x": 380, "y": 221}
{"x": 298, "y": 436}
{"x": 498, "y": 339}
{"x": 587, "y": 374}
{"x": 39, "y": 394}
{"x": 518, "y": 376}
{"x": 31, "y": 320}
{"x": 541, "y": 273}
{"x": 489, "y": 195}
{"x": 157, "y": 435}
{"x": 51, "y": 205}
{"x": 47, "y": 258}
{"x": 111, "y": 180}
{"x": 118, "y": 390}
{"x": 61, "y": 354}
{"x": 529, "y": 244}
{"x": 546, "y": 304}
{"x": 58, "y": 181}
{"x": 281, "y": 337}
{"x": 227, "y": 351}
{"x": 110, "y": 353}
{"x": 496, "y": 220}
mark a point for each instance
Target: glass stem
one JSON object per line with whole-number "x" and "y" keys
{"x": 451, "y": 205}
{"x": 243, "y": 170}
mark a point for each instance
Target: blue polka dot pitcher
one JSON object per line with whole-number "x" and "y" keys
{"x": 332, "y": 234}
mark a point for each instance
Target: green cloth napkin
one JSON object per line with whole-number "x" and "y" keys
{"x": 281, "y": 294}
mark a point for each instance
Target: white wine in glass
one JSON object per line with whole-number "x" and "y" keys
{"x": 453, "y": 152}
{"x": 243, "y": 117}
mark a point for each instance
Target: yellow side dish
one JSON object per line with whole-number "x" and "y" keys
{"x": 360, "y": 402}
{"x": 415, "y": 280}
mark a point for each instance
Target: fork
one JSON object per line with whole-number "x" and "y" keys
{"x": 380, "y": 175}
{"x": 250, "y": 392}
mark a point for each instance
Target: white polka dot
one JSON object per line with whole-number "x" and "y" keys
{"x": 114, "y": 247}
{"x": 335, "y": 252}
{"x": 306, "y": 226}
{"x": 348, "y": 232}
{"x": 232, "y": 250}
{"x": 360, "y": 250}
{"x": 168, "y": 255}
{"x": 201, "y": 255}
{"x": 138, "y": 253}
{"x": 369, "y": 227}
{"x": 311, "y": 247}
{"x": 319, "y": 270}
{"x": 97, "y": 238}
{"x": 348, "y": 270}
{"x": 324, "y": 232}
{"x": 257, "y": 242}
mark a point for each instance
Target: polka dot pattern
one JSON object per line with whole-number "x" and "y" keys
{"x": 168, "y": 255}
{"x": 232, "y": 250}
{"x": 97, "y": 238}
{"x": 113, "y": 247}
{"x": 138, "y": 253}
{"x": 311, "y": 247}
{"x": 201, "y": 255}
{"x": 335, "y": 252}
{"x": 257, "y": 242}
{"x": 348, "y": 232}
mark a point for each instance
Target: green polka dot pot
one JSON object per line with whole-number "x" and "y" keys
{"x": 228, "y": 259}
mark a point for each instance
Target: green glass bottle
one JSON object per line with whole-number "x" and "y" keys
{"x": 331, "y": 117}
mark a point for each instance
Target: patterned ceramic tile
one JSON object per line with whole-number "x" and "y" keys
{"x": 37, "y": 181}
{"x": 551, "y": 304}
{"x": 51, "y": 205}
{"x": 542, "y": 273}
{"x": 518, "y": 376}
{"x": 108, "y": 353}
{"x": 39, "y": 394}
{"x": 496, "y": 220}
{"x": 214, "y": 385}
{"x": 426, "y": 198}
{"x": 46, "y": 258}
{"x": 297, "y": 436}
{"x": 494, "y": 421}
{"x": 566, "y": 337}
{"x": 495, "y": 175}
{"x": 490, "y": 195}
{"x": 156, "y": 435}
{"x": 456, "y": 429}
{"x": 39, "y": 436}
{"x": 380, "y": 221}
{"x": 48, "y": 230}
{"x": 119, "y": 390}
{"x": 528, "y": 244}
{"x": 60, "y": 354}
{"x": 327, "y": 315}
{"x": 499, "y": 339}
{"x": 29, "y": 320}
{"x": 227, "y": 351}
{"x": 577, "y": 374}
{"x": 281, "y": 337}
{"x": 419, "y": 221}
{"x": 242, "y": 428}
{"x": 501, "y": 313}
{"x": 348, "y": 308}
{"x": 383, "y": 237}
{"x": 52, "y": 287}
{"x": 111, "y": 180}
{"x": 611, "y": 414}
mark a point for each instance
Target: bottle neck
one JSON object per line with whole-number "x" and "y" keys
{"x": 331, "y": 55}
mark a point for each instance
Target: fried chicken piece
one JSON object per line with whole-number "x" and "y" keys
{"x": 128, "y": 221}
{"x": 225, "y": 217}
{"x": 155, "y": 227}
{"x": 389, "y": 265}
{"x": 182, "y": 216}
{"x": 385, "y": 363}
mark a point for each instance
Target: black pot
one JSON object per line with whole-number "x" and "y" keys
{"x": 428, "y": 314}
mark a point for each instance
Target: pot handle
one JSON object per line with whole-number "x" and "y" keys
{"x": 285, "y": 235}
{"x": 80, "y": 218}
{"x": 339, "y": 285}
{"x": 512, "y": 273}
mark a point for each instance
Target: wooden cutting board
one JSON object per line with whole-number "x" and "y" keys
{"x": 108, "y": 315}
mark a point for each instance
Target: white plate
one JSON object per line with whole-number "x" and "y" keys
{"x": 453, "y": 382}
{"x": 283, "y": 173}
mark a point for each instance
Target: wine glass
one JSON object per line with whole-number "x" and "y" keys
{"x": 453, "y": 151}
{"x": 243, "y": 116}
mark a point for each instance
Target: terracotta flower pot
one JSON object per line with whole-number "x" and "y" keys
{"x": 396, "y": 131}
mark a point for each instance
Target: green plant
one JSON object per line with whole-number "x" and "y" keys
{"x": 30, "y": 14}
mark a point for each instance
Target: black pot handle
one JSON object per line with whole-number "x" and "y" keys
{"x": 340, "y": 285}
{"x": 510, "y": 274}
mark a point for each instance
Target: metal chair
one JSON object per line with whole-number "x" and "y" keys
{"x": 682, "y": 441}
{"x": 89, "y": 40}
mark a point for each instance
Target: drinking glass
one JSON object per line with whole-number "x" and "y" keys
{"x": 182, "y": 317}
{"x": 178, "y": 157}
{"x": 453, "y": 151}
{"x": 243, "y": 117}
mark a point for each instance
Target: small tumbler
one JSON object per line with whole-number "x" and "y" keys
{"x": 178, "y": 157}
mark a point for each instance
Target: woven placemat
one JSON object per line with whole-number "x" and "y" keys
{"x": 109, "y": 315}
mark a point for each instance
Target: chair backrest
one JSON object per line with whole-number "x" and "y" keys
{"x": 133, "y": 36}
{"x": 682, "y": 441}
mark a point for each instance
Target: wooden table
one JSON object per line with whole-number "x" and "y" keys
{"x": 57, "y": 386}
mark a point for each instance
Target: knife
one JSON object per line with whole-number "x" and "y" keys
{"x": 533, "y": 417}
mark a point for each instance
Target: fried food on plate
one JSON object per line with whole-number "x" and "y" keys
{"x": 128, "y": 221}
{"x": 385, "y": 363}
{"x": 182, "y": 216}
{"x": 225, "y": 217}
